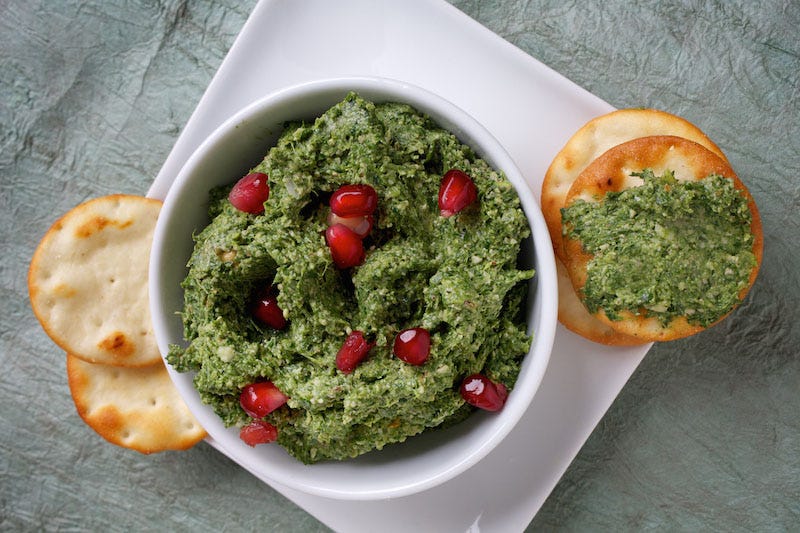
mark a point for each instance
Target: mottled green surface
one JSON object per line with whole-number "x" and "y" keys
{"x": 706, "y": 435}
{"x": 685, "y": 248}
{"x": 448, "y": 275}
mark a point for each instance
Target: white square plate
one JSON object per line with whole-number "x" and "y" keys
{"x": 532, "y": 111}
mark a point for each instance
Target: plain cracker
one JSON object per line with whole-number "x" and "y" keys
{"x": 88, "y": 281}
{"x": 137, "y": 408}
{"x": 690, "y": 161}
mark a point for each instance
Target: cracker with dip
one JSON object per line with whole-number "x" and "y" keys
{"x": 585, "y": 146}
{"x": 661, "y": 239}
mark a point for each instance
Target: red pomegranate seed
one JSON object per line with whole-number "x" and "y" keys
{"x": 413, "y": 345}
{"x": 456, "y": 192}
{"x": 250, "y": 193}
{"x": 352, "y": 352}
{"x": 354, "y": 200}
{"x": 361, "y": 225}
{"x": 261, "y": 398}
{"x": 480, "y": 391}
{"x": 346, "y": 247}
{"x": 258, "y": 432}
{"x": 266, "y": 310}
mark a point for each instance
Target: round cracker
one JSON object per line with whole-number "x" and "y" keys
{"x": 588, "y": 143}
{"x": 611, "y": 171}
{"x": 596, "y": 137}
{"x": 88, "y": 281}
{"x": 576, "y": 318}
{"x": 137, "y": 408}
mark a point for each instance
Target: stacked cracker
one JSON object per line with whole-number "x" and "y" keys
{"x": 600, "y": 158}
{"x": 88, "y": 288}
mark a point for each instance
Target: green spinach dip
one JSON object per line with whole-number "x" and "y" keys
{"x": 457, "y": 277}
{"x": 667, "y": 248}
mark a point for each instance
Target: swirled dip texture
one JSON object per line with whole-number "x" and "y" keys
{"x": 457, "y": 277}
{"x": 666, "y": 248}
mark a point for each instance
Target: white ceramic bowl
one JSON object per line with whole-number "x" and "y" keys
{"x": 422, "y": 461}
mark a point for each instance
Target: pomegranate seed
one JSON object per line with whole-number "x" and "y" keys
{"x": 352, "y": 352}
{"x": 346, "y": 247}
{"x": 258, "y": 432}
{"x": 413, "y": 345}
{"x": 250, "y": 193}
{"x": 265, "y": 309}
{"x": 354, "y": 200}
{"x": 456, "y": 192}
{"x": 361, "y": 225}
{"x": 261, "y": 398}
{"x": 480, "y": 391}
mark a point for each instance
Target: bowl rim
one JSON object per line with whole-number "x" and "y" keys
{"x": 463, "y": 125}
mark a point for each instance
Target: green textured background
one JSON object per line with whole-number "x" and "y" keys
{"x": 706, "y": 434}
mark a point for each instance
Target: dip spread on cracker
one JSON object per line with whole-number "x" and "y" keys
{"x": 665, "y": 248}
{"x": 658, "y": 238}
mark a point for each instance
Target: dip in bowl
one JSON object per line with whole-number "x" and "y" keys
{"x": 458, "y": 274}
